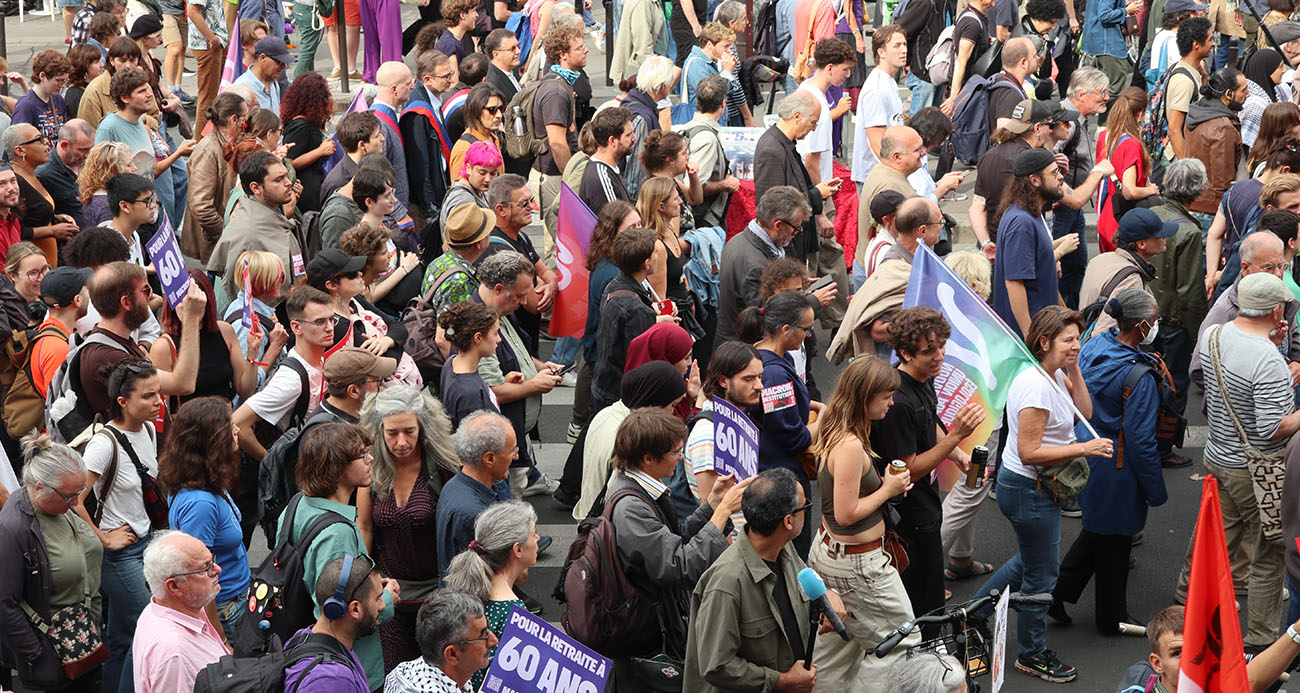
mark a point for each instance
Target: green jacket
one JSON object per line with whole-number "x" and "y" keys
{"x": 737, "y": 642}
{"x": 1179, "y": 286}
{"x": 336, "y": 541}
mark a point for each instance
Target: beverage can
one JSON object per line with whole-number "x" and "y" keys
{"x": 897, "y": 467}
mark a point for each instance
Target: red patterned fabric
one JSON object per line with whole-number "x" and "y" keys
{"x": 846, "y": 214}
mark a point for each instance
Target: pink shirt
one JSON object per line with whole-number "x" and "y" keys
{"x": 170, "y": 648}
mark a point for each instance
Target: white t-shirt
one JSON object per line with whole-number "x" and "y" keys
{"x": 123, "y": 506}
{"x": 8, "y": 478}
{"x": 276, "y": 400}
{"x": 819, "y": 140}
{"x": 921, "y": 180}
{"x": 876, "y": 249}
{"x": 878, "y": 105}
{"x": 1166, "y": 41}
{"x": 1031, "y": 390}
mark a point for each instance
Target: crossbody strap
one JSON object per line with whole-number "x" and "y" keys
{"x": 1223, "y": 392}
{"x": 130, "y": 452}
{"x": 110, "y": 475}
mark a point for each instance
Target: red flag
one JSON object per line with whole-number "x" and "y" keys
{"x": 1214, "y": 659}
{"x": 573, "y": 235}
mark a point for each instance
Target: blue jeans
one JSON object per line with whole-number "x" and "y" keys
{"x": 1064, "y": 222}
{"x": 230, "y": 611}
{"x": 180, "y": 185}
{"x": 923, "y": 92}
{"x": 1221, "y": 57}
{"x": 127, "y": 594}
{"x": 566, "y": 349}
{"x": 1036, "y": 520}
{"x": 859, "y": 275}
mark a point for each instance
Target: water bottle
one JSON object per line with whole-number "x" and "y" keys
{"x": 517, "y": 117}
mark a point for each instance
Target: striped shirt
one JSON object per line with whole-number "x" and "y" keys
{"x": 651, "y": 485}
{"x": 1258, "y": 385}
{"x": 601, "y": 184}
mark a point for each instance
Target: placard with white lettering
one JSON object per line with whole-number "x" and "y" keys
{"x": 533, "y": 655}
{"x": 735, "y": 441}
{"x": 169, "y": 264}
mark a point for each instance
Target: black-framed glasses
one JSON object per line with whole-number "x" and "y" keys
{"x": 494, "y": 110}
{"x": 67, "y": 500}
{"x": 801, "y": 509}
{"x": 39, "y": 138}
{"x": 148, "y": 201}
{"x": 805, "y": 328}
{"x": 205, "y": 570}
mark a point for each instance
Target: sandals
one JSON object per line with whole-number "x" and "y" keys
{"x": 975, "y": 569}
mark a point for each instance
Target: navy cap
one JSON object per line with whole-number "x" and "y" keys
{"x": 1140, "y": 224}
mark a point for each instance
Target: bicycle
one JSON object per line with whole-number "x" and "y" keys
{"x": 965, "y": 636}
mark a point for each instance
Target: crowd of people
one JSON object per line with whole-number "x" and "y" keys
{"x": 357, "y": 362}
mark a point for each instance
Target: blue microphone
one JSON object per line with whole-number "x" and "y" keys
{"x": 812, "y": 585}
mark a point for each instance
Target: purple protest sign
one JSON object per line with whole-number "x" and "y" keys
{"x": 533, "y": 655}
{"x": 169, "y": 264}
{"x": 735, "y": 441}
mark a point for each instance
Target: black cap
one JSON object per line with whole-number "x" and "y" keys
{"x": 330, "y": 263}
{"x": 146, "y": 25}
{"x": 62, "y": 284}
{"x": 886, "y": 202}
{"x": 1032, "y": 161}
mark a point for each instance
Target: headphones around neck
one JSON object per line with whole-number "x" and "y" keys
{"x": 336, "y": 607}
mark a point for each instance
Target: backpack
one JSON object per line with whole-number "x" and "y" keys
{"x": 1093, "y": 310}
{"x": 278, "y": 596}
{"x": 275, "y": 475}
{"x": 1153, "y": 73}
{"x": 67, "y": 413}
{"x": 765, "y": 41}
{"x": 970, "y": 117}
{"x": 1170, "y": 425}
{"x": 602, "y": 609}
{"x": 265, "y": 674}
{"x": 24, "y": 409}
{"x": 421, "y": 322}
{"x": 527, "y": 145}
{"x": 308, "y": 233}
{"x": 940, "y": 60}
{"x": 520, "y": 24}
{"x": 1155, "y": 126}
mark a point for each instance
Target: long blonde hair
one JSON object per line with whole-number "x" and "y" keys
{"x": 104, "y": 161}
{"x": 654, "y": 192}
{"x": 846, "y": 412}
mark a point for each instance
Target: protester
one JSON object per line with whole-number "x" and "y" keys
{"x": 212, "y": 177}
{"x": 175, "y": 639}
{"x": 306, "y": 109}
{"x": 777, "y": 163}
{"x": 484, "y": 114}
{"x": 1263, "y": 72}
{"x": 59, "y": 174}
{"x": 486, "y": 447}
{"x": 474, "y": 330}
{"x": 454, "y": 639}
{"x": 1214, "y": 136}
{"x": 1141, "y": 237}
{"x": 1025, "y": 279}
{"x": 1122, "y": 146}
{"x": 366, "y": 599}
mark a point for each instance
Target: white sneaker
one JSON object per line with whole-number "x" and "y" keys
{"x": 572, "y": 434}
{"x": 543, "y": 486}
{"x": 570, "y": 379}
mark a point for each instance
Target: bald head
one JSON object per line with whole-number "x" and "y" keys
{"x": 246, "y": 92}
{"x": 394, "y": 80}
{"x": 1259, "y": 249}
{"x": 901, "y": 149}
{"x": 1018, "y": 56}
{"x": 913, "y": 214}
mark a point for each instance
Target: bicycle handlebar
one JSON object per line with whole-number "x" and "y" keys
{"x": 1017, "y": 600}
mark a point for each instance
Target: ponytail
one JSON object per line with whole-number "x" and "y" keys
{"x": 783, "y": 309}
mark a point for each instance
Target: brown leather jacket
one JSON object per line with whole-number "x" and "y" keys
{"x": 1214, "y": 137}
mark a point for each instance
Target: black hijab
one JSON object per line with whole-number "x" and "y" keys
{"x": 1260, "y": 68}
{"x": 653, "y": 384}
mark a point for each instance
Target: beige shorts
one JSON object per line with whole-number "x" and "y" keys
{"x": 174, "y": 28}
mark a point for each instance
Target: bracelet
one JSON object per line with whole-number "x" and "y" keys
{"x": 257, "y": 363}
{"x": 1290, "y": 630}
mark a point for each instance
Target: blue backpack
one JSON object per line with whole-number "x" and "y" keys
{"x": 520, "y": 25}
{"x": 970, "y": 117}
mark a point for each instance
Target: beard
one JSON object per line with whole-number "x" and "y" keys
{"x": 1051, "y": 196}
{"x": 138, "y": 314}
{"x": 368, "y": 625}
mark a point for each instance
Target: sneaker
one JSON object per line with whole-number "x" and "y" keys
{"x": 184, "y": 97}
{"x": 543, "y": 543}
{"x": 543, "y": 486}
{"x": 1046, "y": 666}
{"x": 570, "y": 379}
{"x": 1070, "y": 508}
{"x": 572, "y": 434}
{"x": 355, "y": 74}
{"x": 533, "y": 606}
{"x": 1173, "y": 460}
{"x": 335, "y": 74}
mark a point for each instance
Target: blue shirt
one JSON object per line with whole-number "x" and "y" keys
{"x": 214, "y": 520}
{"x": 268, "y": 95}
{"x": 459, "y": 505}
{"x": 1024, "y": 254}
{"x": 782, "y": 415}
{"x": 1102, "y": 25}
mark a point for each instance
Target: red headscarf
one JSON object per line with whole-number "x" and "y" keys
{"x": 664, "y": 341}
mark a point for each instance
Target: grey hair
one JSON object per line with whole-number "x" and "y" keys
{"x": 1088, "y": 79}
{"x": 444, "y": 620}
{"x": 480, "y": 433}
{"x": 801, "y": 101}
{"x": 163, "y": 558}
{"x": 11, "y": 138}
{"x": 927, "y": 673}
{"x": 891, "y": 142}
{"x": 729, "y": 12}
{"x": 1255, "y": 243}
{"x": 1130, "y": 307}
{"x": 75, "y": 127}
{"x": 497, "y": 530}
{"x": 503, "y": 187}
{"x": 569, "y": 18}
{"x": 436, "y": 449}
{"x": 974, "y": 269}
{"x": 504, "y": 268}
{"x": 1185, "y": 180}
{"x": 780, "y": 203}
{"x": 654, "y": 73}
{"x": 46, "y": 462}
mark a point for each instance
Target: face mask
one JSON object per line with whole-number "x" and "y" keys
{"x": 1151, "y": 335}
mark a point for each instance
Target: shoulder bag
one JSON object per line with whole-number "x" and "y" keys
{"x": 72, "y": 630}
{"x": 1064, "y": 481}
{"x": 1267, "y": 469}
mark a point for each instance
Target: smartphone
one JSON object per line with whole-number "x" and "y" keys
{"x": 665, "y": 307}
{"x": 821, "y": 283}
{"x": 566, "y": 370}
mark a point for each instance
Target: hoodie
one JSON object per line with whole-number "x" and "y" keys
{"x": 1119, "y": 492}
{"x": 1214, "y": 137}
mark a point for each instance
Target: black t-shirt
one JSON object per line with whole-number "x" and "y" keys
{"x": 1003, "y": 100}
{"x": 993, "y": 174}
{"x": 972, "y": 26}
{"x": 304, "y": 136}
{"x": 530, "y": 324}
{"x": 789, "y": 623}
{"x": 909, "y": 429}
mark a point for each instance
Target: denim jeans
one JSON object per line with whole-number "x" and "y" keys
{"x": 1064, "y": 222}
{"x": 566, "y": 349}
{"x": 1036, "y": 520}
{"x": 923, "y": 92}
{"x": 230, "y": 611}
{"x": 180, "y": 187}
{"x": 127, "y": 594}
{"x": 1220, "y": 56}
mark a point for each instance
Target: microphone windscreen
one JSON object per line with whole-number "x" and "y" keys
{"x": 811, "y": 583}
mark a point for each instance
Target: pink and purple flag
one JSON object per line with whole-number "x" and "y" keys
{"x": 573, "y": 236}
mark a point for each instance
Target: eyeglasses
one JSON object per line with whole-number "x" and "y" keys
{"x": 508, "y": 49}
{"x": 805, "y": 328}
{"x": 485, "y": 638}
{"x": 526, "y": 203}
{"x": 320, "y": 322}
{"x": 801, "y": 509}
{"x": 1272, "y": 266}
{"x": 67, "y": 500}
{"x": 148, "y": 201}
{"x": 445, "y": 75}
{"x": 36, "y": 274}
{"x": 205, "y": 570}
{"x": 148, "y": 290}
{"x": 494, "y": 110}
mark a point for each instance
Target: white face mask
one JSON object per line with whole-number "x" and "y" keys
{"x": 1151, "y": 335}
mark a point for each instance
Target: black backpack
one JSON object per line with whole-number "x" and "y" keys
{"x": 279, "y": 596}
{"x": 265, "y": 674}
{"x": 765, "y": 42}
{"x": 276, "y": 482}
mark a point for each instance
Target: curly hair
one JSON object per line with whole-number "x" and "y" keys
{"x": 608, "y": 222}
{"x": 912, "y": 328}
{"x": 325, "y": 452}
{"x": 364, "y": 240}
{"x": 52, "y": 63}
{"x": 308, "y": 97}
{"x": 199, "y": 451}
{"x": 777, "y": 273}
{"x": 105, "y": 160}
{"x": 558, "y": 41}
{"x": 454, "y": 10}
{"x": 125, "y": 82}
{"x": 94, "y": 246}
{"x": 462, "y": 321}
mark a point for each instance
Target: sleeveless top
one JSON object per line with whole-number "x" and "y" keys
{"x": 406, "y": 549}
{"x": 676, "y": 285}
{"x": 216, "y": 377}
{"x": 868, "y": 485}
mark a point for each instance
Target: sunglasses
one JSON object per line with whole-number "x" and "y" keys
{"x": 39, "y": 138}
{"x": 494, "y": 110}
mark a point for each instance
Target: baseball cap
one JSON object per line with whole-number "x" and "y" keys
{"x": 274, "y": 47}
{"x": 468, "y": 224}
{"x": 1173, "y": 6}
{"x": 1140, "y": 224}
{"x": 1026, "y": 114}
{"x": 1061, "y": 113}
{"x": 1032, "y": 161}
{"x": 354, "y": 365}
{"x": 886, "y": 202}
{"x": 62, "y": 284}
{"x": 1262, "y": 291}
{"x": 146, "y": 25}
{"x": 330, "y": 263}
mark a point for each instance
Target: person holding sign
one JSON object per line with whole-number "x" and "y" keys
{"x": 851, "y": 552}
{"x": 735, "y": 375}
